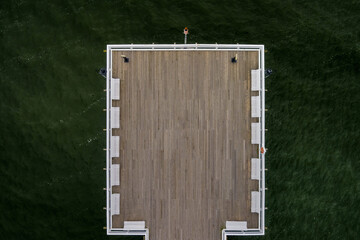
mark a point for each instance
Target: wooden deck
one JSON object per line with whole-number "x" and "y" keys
{"x": 185, "y": 149}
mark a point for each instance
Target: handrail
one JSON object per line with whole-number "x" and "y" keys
{"x": 186, "y": 47}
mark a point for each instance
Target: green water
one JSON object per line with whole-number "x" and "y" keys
{"x": 51, "y": 101}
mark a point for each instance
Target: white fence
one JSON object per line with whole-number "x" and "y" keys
{"x": 243, "y": 230}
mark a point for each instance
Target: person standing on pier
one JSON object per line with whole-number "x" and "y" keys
{"x": 186, "y": 32}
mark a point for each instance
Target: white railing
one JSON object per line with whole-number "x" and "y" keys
{"x": 262, "y": 179}
{"x": 108, "y": 158}
{"x": 185, "y": 47}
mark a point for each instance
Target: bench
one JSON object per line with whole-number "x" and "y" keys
{"x": 255, "y": 80}
{"x": 255, "y": 106}
{"x": 115, "y": 117}
{"x": 115, "y": 88}
{"x": 236, "y": 225}
{"x": 134, "y": 225}
{"x": 255, "y": 202}
{"x": 255, "y": 133}
{"x": 115, "y": 203}
{"x": 115, "y": 145}
{"x": 115, "y": 174}
{"x": 255, "y": 168}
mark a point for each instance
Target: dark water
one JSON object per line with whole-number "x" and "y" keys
{"x": 51, "y": 101}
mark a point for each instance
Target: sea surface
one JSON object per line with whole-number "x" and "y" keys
{"x": 51, "y": 101}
